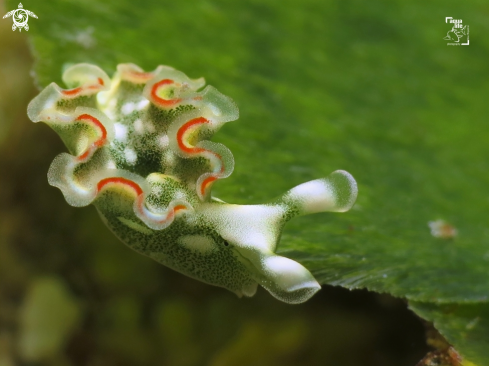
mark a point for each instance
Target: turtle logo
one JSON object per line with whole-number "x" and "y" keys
{"x": 20, "y": 17}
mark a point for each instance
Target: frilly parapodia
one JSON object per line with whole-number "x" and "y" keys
{"x": 140, "y": 152}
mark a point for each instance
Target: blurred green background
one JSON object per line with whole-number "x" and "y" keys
{"x": 71, "y": 294}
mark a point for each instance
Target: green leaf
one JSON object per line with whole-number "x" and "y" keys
{"x": 368, "y": 87}
{"x": 466, "y": 325}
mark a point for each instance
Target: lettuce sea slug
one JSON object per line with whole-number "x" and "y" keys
{"x": 139, "y": 150}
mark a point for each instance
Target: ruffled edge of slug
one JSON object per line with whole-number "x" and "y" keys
{"x": 211, "y": 110}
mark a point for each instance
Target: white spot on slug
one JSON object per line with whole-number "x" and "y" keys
{"x": 169, "y": 158}
{"x": 179, "y": 195}
{"x": 202, "y": 244}
{"x": 163, "y": 141}
{"x": 130, "y": 155}
{"x": 142, "y": 104}
{"x": 120, "y": 132}
{"x": 150, "y": 127}
{"x": 138, "y": 126}
{"x": 127, "y": 108}
{"x": 157, "y": 190}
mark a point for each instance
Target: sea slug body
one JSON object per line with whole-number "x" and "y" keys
{"x": 139, "y": 150}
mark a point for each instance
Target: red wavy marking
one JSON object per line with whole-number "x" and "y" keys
{"x": 206, "y": 182}
{"x": 84, "y": 155}
{"x": 120, "y": 180}
{"x": 139, "y": 193}
{"x": 181, "y": 133}
{"x": 144, "y": 76}
{"x": 96, "y": 122}
{"x": 169, "y": 216}
{"x": 179, "y": 207}
{"x": 172, "y": 214}
{"x": 161, "y": 101}
{"x": 99, "y": 142}
{"x": 71, "y": 92}
{"x": 195, "y": 150}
